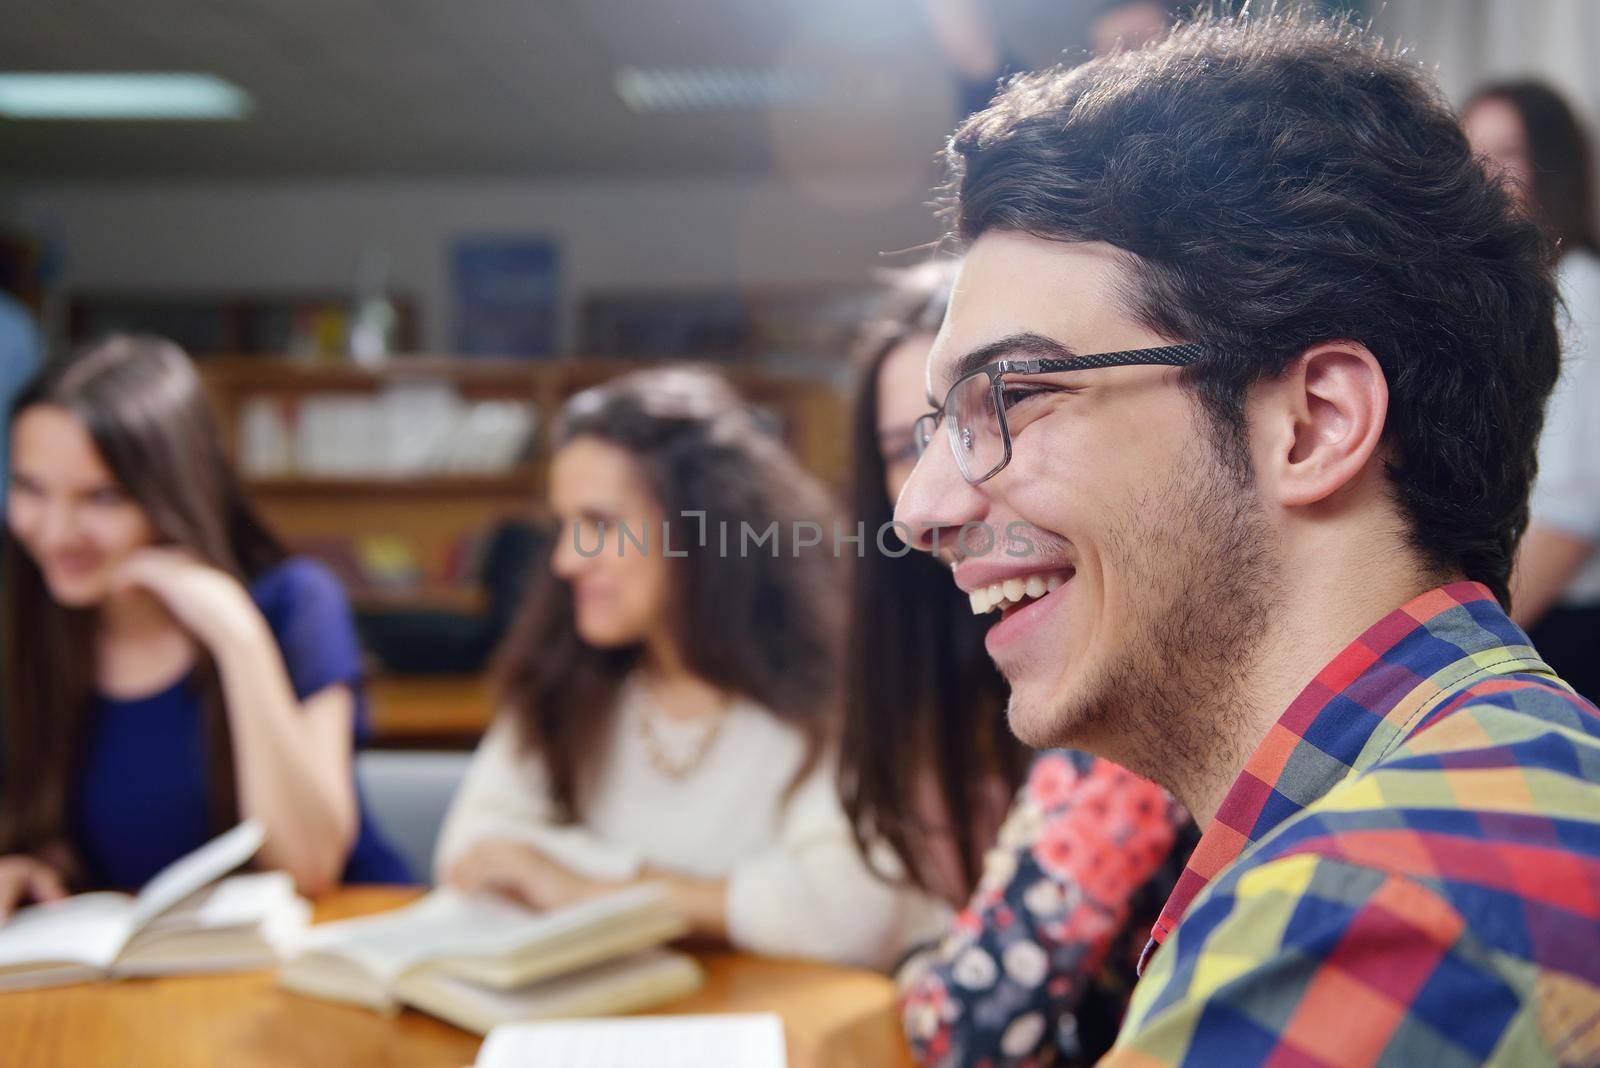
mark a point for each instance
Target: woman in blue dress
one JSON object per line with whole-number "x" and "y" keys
{"x": 168, "y": 670}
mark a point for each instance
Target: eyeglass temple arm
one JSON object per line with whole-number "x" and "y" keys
{"x": 1169, "y": 355}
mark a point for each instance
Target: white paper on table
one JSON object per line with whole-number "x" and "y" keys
{"x": 753, "y": 1040}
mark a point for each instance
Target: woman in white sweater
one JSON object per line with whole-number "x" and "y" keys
{"x": 669, "y": 689}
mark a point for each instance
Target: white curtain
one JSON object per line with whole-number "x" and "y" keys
{"x": 1471, "y": 42}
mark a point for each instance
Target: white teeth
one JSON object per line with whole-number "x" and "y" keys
{"x": 1013, "y": 591}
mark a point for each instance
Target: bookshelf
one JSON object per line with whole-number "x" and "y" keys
{"x": 428, "y": 512}
{"x": 433, "y": 510}
{"x": 437, "y": 516}
{"x": 260, "y": 325}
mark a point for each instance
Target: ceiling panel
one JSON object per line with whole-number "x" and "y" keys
{"x": 490, "y": 87}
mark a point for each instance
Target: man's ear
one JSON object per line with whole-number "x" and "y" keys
{"x": 1320, "y": 423}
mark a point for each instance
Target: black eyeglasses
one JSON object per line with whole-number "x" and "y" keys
{"x": 974, "y": 411}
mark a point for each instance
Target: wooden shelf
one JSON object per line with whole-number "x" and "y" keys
{"x": 519, "y": 484}
{"x": 415, "y": 711}
{"x": 813, "y": 412}
{"x": 438, "y": 514}
{"x": 207, "y": 322}
{"x": 260, "y": 374}
{"x": 432, "y": 597}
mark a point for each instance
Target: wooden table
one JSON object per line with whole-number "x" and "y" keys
{"x": 833, "y": 1017}
{"x": 429, "y": 711}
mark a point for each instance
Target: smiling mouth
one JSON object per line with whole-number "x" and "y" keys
{"x": 1015, "y": 592}
{"x": 72, "y": 565}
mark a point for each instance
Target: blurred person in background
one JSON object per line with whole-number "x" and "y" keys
{"x": 1057, "y": 896}
{"x": 169, "y": 670}
{"x": 1532, "y": 136}
{"x": 979, "y": 58}
{"x": 1131, "y": 24}
{"x": 668, "y": 696}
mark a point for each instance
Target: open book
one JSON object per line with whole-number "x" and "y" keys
{"x": 753, "y": 1040}
{"x": 184, "y": 920}
{"x": 480, "y": 960}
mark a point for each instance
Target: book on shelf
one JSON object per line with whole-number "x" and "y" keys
{"x": 188, "y": 918}
{"x": 410, "y": 429}
{"x": 479, "y": 960}
{"x": 749, "y": 1040}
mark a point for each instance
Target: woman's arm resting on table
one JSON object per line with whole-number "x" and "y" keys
{"x": 812, "y": 894}
{"x": 522, "y": 872}
{"x": 703, "y": 902}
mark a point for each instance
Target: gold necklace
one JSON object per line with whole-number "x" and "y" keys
{"x": 658, "y": 756}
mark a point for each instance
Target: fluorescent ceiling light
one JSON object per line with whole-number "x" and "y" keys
{"x": 712, "y": 89}
{"x": 120, "y": 96}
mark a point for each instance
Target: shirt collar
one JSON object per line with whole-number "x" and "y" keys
{"x": 1365, "y": 701}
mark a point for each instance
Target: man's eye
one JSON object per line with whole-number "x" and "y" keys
{"x": 1014, "y": 395}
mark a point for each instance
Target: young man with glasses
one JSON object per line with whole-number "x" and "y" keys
{"x": 1258, "y": 354}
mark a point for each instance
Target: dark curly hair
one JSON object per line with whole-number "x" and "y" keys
{"x": 1283, "y": 180}
{"x": 763, "y": 626}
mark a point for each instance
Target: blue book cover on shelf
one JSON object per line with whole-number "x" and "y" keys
{"x": 507, "y": 294}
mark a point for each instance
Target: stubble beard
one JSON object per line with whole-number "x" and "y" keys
{"x": 1196, "y": 557}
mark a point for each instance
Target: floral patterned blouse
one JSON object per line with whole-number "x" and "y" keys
{"x": 1037, "y": 969}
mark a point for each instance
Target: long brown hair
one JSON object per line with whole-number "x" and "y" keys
{"x": 924, "y": 704}
{"x": 762, "y": 624}
{"x": 144, "y": 407}
{"x": 1561, "y": 156}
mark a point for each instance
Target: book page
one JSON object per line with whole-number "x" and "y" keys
{"x": 237, "y": 901}
{"x": 243, "y": 921}
{"x": 192, "y": 872}
{"x": 448, "y": 923}
{"x": 748, "y": 1041}
{"x": 83, "y": 929}
{"x": 561, "y": 953}
{"x": 388, "y": 944}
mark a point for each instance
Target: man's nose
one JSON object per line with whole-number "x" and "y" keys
{"x": 936, "y": 502}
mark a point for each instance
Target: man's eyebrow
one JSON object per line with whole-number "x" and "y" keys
{"x": 1027, "y": 343}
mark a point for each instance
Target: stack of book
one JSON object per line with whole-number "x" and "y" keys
{"x": 479, "y": 961}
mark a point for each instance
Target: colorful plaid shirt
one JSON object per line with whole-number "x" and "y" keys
{"x": 1407, "y": 872}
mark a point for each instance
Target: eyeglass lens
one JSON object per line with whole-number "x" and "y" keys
{"x": 974, "y": 427}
